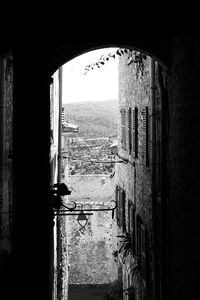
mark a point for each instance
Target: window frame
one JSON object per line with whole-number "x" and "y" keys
{"x": 123, "y": 129}
{"x": 135, "y": 132}
{"x": 145, "y": 136}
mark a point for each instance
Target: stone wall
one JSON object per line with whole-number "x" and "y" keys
{"x": 90, "y": 248}
{"x": 91, "y": 187}
{"x": 135, "y": 177}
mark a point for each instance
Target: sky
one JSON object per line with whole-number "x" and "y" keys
{"x": 97, "y": 85}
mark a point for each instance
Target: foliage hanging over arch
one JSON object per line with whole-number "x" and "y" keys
{"x": 133, "y": 57}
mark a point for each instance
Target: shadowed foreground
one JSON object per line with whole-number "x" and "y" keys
{"x": 87, "y": 292}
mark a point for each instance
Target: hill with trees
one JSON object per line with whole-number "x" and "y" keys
{"x": 94, "y": 119}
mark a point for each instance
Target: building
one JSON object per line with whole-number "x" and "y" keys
{"x": 90, "y": 248}
{"x": 135, "y": 191}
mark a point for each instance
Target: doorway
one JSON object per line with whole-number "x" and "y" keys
{"x": 136, "y": 136}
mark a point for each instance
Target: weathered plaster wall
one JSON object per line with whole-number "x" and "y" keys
{"x": 91, "y": 187}
{"x": 90, "y": 249}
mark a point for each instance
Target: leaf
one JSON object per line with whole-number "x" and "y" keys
{"x": 121, "y": 236}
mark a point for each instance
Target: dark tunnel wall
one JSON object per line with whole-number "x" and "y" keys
{"x": 35, "y": 59}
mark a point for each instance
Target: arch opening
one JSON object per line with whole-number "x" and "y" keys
{"x": 139, "y": 140}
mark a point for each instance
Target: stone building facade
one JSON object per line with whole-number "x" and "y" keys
{"x": 90, "y": 248}
{"x": 133, "y": 179}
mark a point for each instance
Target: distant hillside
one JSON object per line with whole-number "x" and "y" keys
{"x": 94, "y": 119}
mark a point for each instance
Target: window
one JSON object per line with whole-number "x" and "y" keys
{"x": 135, "y": 132}
{"x": 121, "y": 206}
{"x": 117, "y": 200}
{"x": 129, "y": 133}
{"x": 142, "y": 248}
{"x": 123, "y": 209}
{"x": 131, "y": 223}
{"x": 123, "y": 128}
{"x": 143, "y": 252}
{"x": 145, "y": 136}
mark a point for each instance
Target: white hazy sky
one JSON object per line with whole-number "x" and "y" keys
{"x": 98, "y": 84}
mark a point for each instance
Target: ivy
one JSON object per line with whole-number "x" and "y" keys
{"x": 132, "y": 57}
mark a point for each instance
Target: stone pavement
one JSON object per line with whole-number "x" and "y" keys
{"x": 87, "y": 292}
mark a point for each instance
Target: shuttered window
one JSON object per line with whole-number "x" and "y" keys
{"x": 129, "y": 133}
{"x": 142, "y": 248}
{"x": 135, "y": 132}
{"x": 143, "y": 253}
{"x": 131, "y": 224}
{"x": 145, "y": 136}
{"x": 121, "y": 213}
{"x": 118, "y": 204}
{"x": 123, "y": 128}
{"x": 128, "y": 225}
{"x": 123, "y": 209}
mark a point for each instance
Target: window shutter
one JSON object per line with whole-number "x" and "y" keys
{"x": 138, "y": 237}
{"x": 145, "y": 137}
{"x": 131, "y": 223}
{"x": 143, "y": 253}
{"x": 142, "y": 248}
{"x": 135, "y": 132}
{"x": 129, "y": 130}
{"x": 123, "y": 196}
{"x": 128, "y": 223}
{"x": 123, "y": 128}
{"x": 122, "y": 205}
{"x": 119, "y": 207}
{"x": 118, "y": 204}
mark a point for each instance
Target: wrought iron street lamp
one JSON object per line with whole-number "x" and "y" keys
{"x": 82, "y": 219}
{"x": 82, "y": 214}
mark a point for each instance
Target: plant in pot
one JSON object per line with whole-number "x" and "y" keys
{"x": 126, "y": 246}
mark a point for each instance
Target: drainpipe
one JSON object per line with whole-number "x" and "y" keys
{"x": 60, "y": 125}
{"x": 58, "y": 223}
{"x": 153, "y": 184}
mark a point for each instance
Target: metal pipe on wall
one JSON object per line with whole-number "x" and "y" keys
{"x": 60, "y": 71}
{"x": 58, "y": 218}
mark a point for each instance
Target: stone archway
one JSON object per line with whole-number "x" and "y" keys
{"x": 160, "y": 219}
